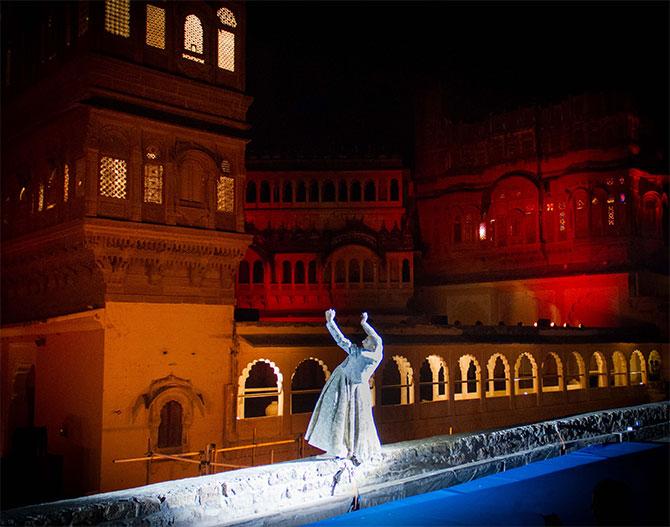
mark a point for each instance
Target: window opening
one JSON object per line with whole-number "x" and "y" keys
{"x": 66, "y": 182}
{"x": 259, "y": 274}
{"x": 288, "y": 192}
{"x": 155, "y": 36}
{"x": 153, "y": 184}
{"x": 262, "y": 388}
{"x": 286, "y": 272}
{"x": 311, "y": 272}
{"x": 113, "y": 174}
{"x": 370, "y": 193}
{"x": 117, "y": 17}
{"x": 355, "y": 191}
{"x": 433, "y": 379}
{"x": 299, "y": 273}
{"x": 343, "y": 194}
{"x": 597, "y": 372}
{"x": 251, "y": 192}
{"x": 225, "y": 194}
{"x": 395, "y": 190}
{"x": 226, "y": 50}
{"x": 397, "y": 384}
{"x": 226, "y": 17}
{"x": 170, "y": 430}
{"x": 575, "y": 372}
{"x": 193, "y": 39}
{"x": 243, "y": 277}
{"x": 306, "y": 384}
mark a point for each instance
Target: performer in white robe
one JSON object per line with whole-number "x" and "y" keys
{"x": 342, "y": 422}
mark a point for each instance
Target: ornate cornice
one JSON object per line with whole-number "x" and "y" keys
{"x": 81, "y": 264}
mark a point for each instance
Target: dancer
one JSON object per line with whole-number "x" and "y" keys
{"x": 342, "y": 422}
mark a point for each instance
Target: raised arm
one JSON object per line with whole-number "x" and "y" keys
{"x": 369, "y": 330}
{"x": 342, "y": 341}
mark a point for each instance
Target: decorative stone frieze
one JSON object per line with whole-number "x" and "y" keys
{"x": 84, "y": 263}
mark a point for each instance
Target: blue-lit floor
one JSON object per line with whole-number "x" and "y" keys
{"x": 557, "y": 491}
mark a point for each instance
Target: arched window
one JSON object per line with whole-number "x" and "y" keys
{"x": 193, "y": 39}
{"x": 575, "y": 372}
{"x": 155, "y": 27}
{"x": 251, "y": 192}
{"x": 343, "y": 194}
{"x": 580, "y": 204}
{"x": 655, "y": 366}
{"x": 311, "y": 272}
{"x": 313, "y": 191}
{"x": 243, "y": 276}
{"x": 170, "y": 429}
{"x": 397, "y": 383}
{"x": 498, "y": 382}
{"x": 525, "y": 374}
{"x": 355, "y": 191}
{"x": 258, "y": 274}
{"x": 260, "y": 390}
{"x": 340, "y": 273}
{"x": 467, "y": 378}
{"x": 286, "y": 272}
{"x": 552, "y": 373}
{"x": 117, "y": 17}
{"x": 619, "y": 372}
{"x": 306, "y": 384}
{"x": 597, "y": 371}
{"x": 354, "y": 272}
{"x": 328, "y": 192}
{"x": 395, "y": 190}
{"x": 226, "y": 41}
{"x": 370, "y": 193}
{"x": 406, "y": 272}
{"x": 288, "y": 192}
{"x": 368, "y": 272}
{"x": 299, "y": 272}
{"x": 638, "y": 369}
{"x": 265, "y": 192}
{"x": 433, "y": 379}
{"x": 301, "y": 192}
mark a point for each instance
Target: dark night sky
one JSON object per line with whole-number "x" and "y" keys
{"x": 344, "y": 73}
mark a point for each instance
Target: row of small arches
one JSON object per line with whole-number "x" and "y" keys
{"x": 314, "y": 191}
{"x": 350, "y": 271}
{"x": 261, "y": 392}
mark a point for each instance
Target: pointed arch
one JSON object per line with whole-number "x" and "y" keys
{"x": 638, "y": 368}
{"x": 525, "y": 374}
{"x": 498, "y": 383}
{"x": 433, "y": 379}
{"x": 575, "y": 371}
{"x": 259, "y": 390}
{"x": 307, "y": 380}
{"x": 397, "y": 382}
{"x": 597, "y": 371}
{"x": 468, "y": 376}
{"x": 552, "y": 373}
{"x": 619, "y": 371}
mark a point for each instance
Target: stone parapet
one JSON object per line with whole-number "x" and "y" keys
{"x": 306, "y": 490}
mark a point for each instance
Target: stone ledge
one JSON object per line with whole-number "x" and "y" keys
{"x": 301, "y": 491}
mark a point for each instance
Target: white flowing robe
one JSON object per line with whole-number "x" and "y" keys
{"x": 342, "y": 422}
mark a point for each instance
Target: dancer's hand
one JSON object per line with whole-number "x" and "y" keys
{"x": 330, "y": 315}
{"x": 364, "y": 317}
